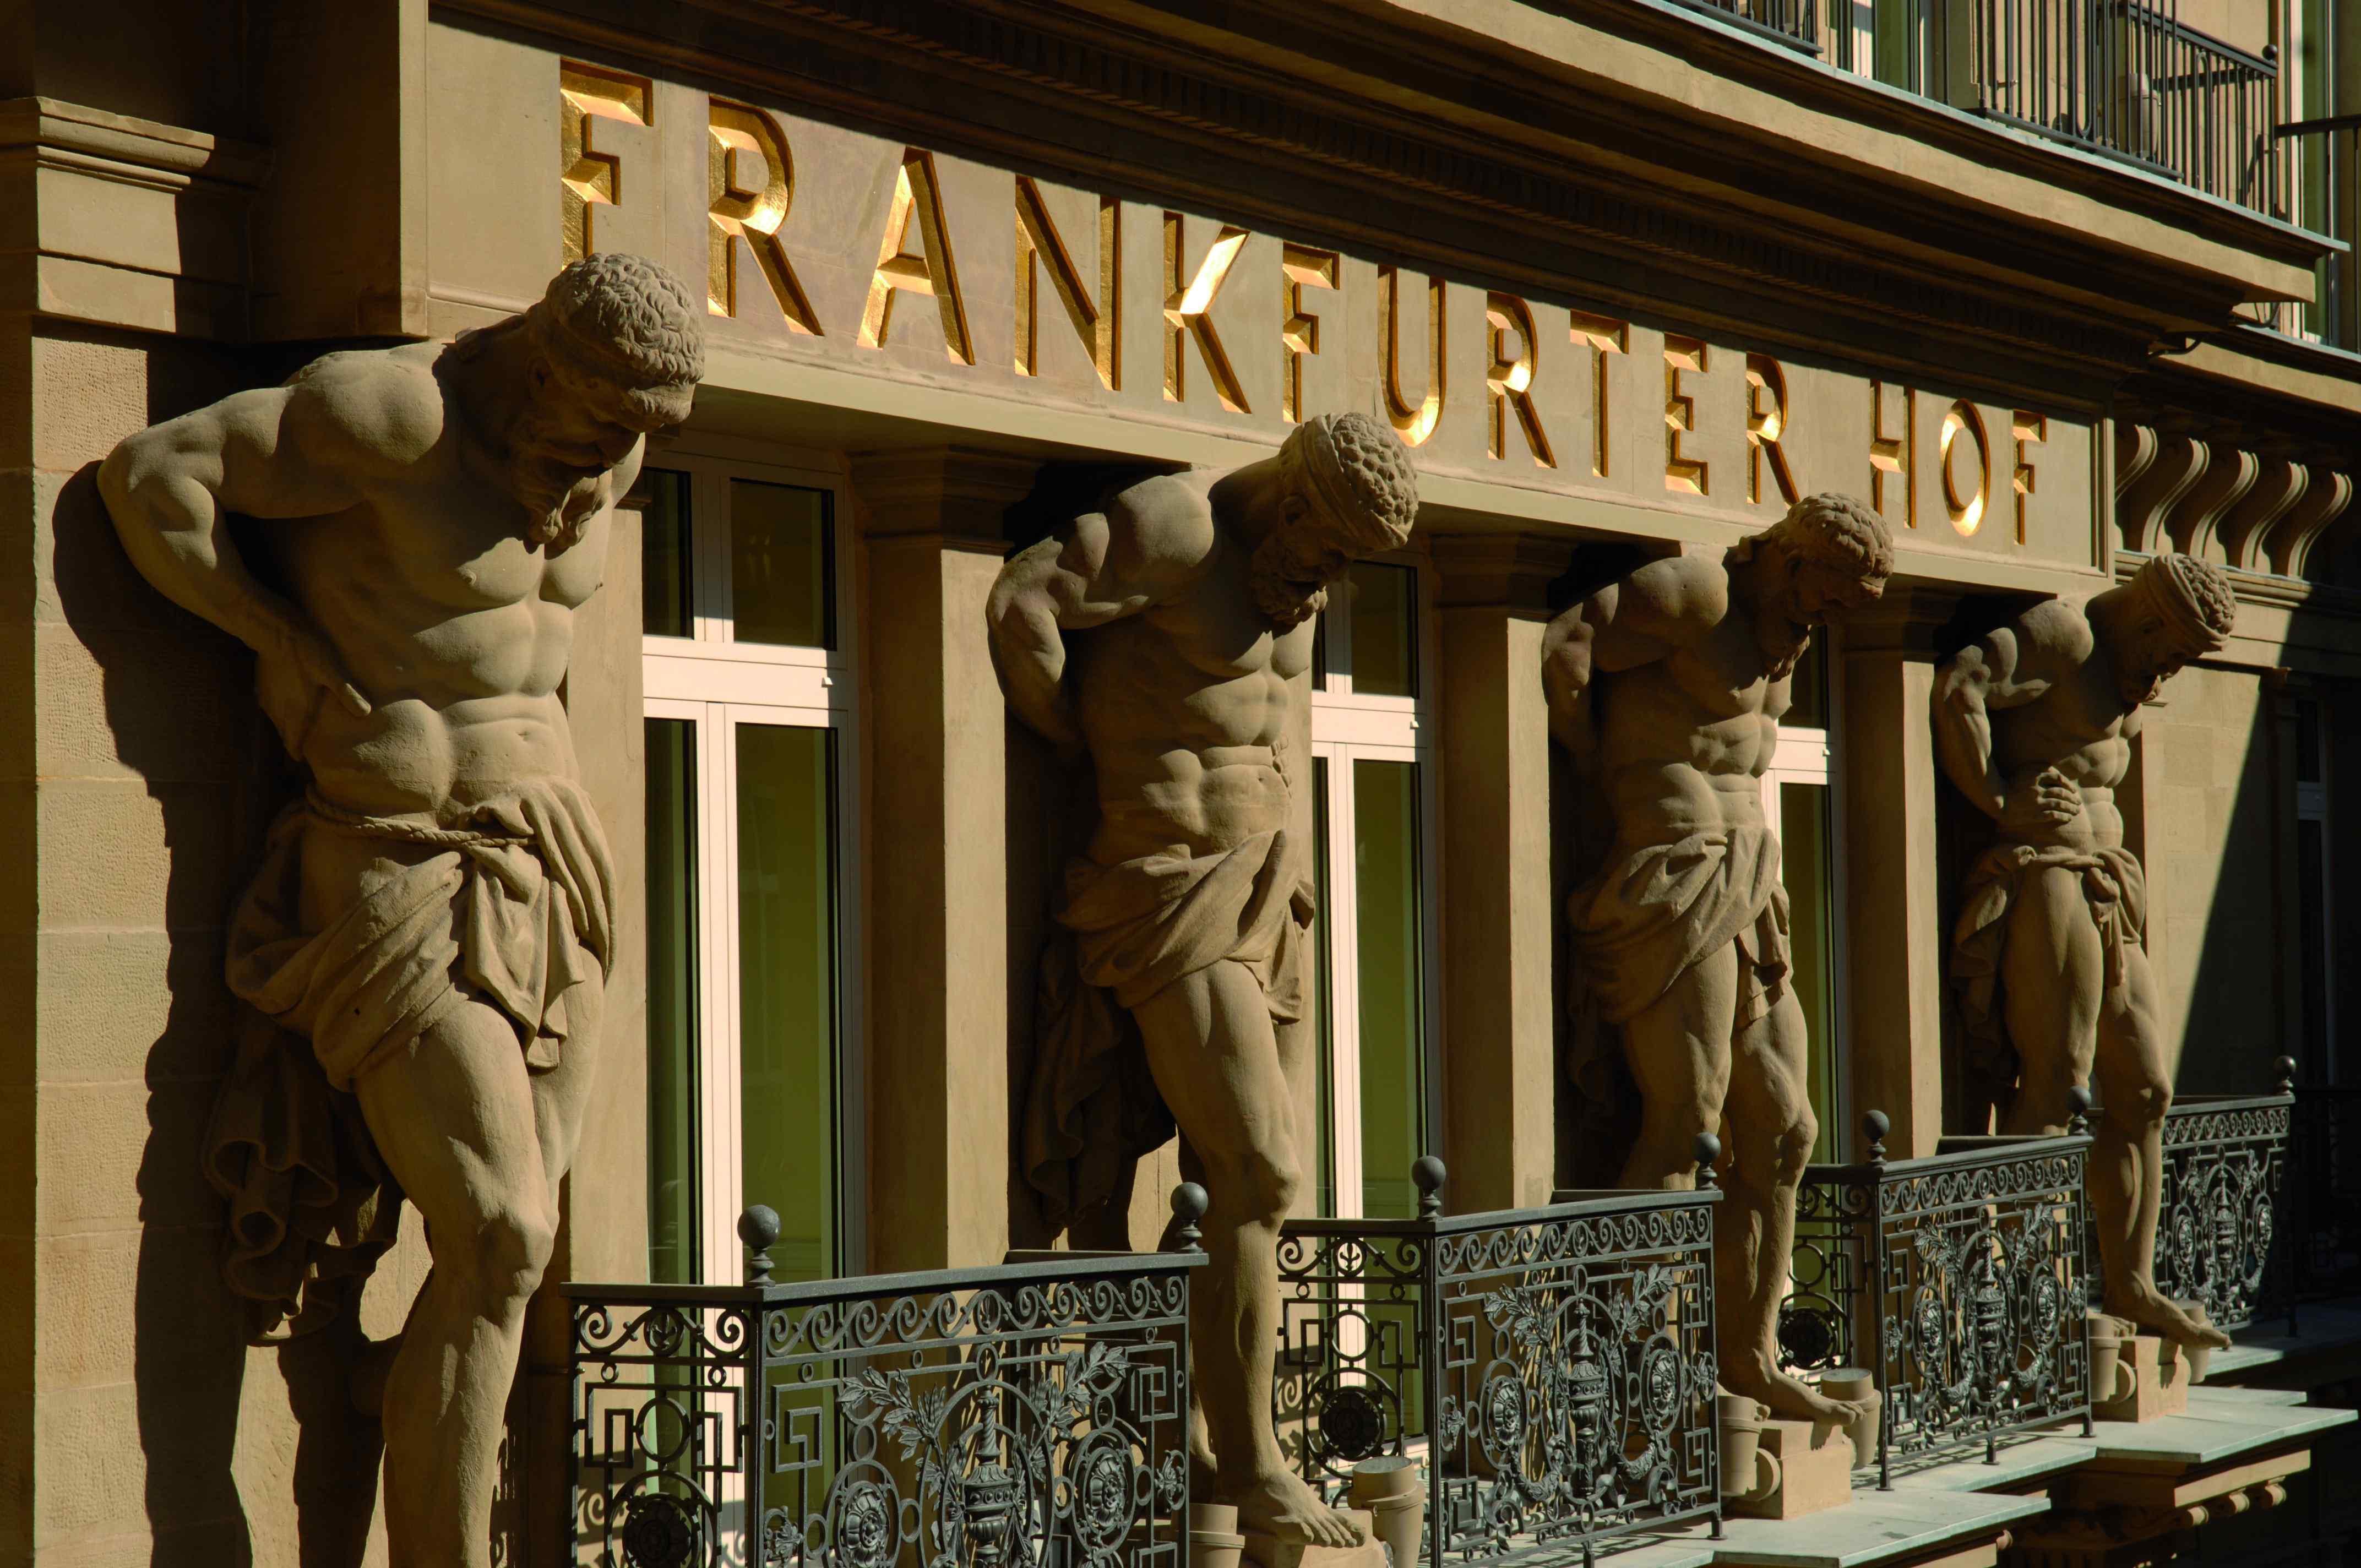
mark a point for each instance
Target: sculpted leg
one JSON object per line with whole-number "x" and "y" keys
{"x": 1679, "y": 1055}
{"x": 1771, "y": 1129}
{"x": 1215, "y": 1058}
{"x": 2127, "y": 1163}
{"x": 455, "y": 1119}
{"x": 2052, "y": 970}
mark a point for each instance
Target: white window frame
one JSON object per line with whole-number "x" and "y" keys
{"x": 1348, "y": 727}
{"x": 719, "y": 684}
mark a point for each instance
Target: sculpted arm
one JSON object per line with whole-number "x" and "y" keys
{"x": 1663, "y": 606}
{"x": 275, "y": 453}
{"x": 1147, "y": 544}
{"x": 2009, "y": 667}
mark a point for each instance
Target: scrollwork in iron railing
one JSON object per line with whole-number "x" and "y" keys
{"x": 2220, "y": 1237}
{"x": 1557, "y": 1362}
{"x": 1959, "y": 1279}
{"x": 1034, "y": 1415}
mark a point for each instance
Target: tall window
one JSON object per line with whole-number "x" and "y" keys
{"x": 1371, "y": 807}
{"x": 2315, "y": 898}
{"x": 746, "y": 666}
{"x": 1800, "y": 807}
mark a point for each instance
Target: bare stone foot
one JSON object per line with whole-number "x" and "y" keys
{"x": 1788, "y": 1398}
{"x": 2151, "y": 1311}
{"x": 1283, "y": 1507}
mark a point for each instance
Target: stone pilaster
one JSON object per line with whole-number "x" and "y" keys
{"x": 1500, "y": 995}
{"x": 935, "y": 888}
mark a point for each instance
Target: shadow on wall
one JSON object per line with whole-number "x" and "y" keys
{"x": 221, "y": 1458}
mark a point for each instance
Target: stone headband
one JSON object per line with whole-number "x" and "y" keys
{"x": 1357, "y": 477}
{"x": 2194, "y": 597}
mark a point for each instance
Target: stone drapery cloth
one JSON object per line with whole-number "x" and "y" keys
{"x": 1125, "y": 932}
{"x": 514, "y": 907}
{"x": 2114, "y": 888}
{"x": 1647, "y": 918}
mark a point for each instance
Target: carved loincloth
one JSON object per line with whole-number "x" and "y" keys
{"x": 513, "y": 909}
{"x": 1128, "y": 931}
{"x": 1641, "y": 924}
{"x": 2114, "y": 888}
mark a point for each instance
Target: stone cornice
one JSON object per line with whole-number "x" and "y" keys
{"x": 1324, "y": 152}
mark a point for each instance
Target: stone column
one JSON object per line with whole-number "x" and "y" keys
{"x": 1896, "y": 938}
{"x": 935, "y": 889}
{"x": 1500, "y": 995}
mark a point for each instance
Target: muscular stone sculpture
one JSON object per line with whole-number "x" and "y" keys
{"x": 1668, "y": 686}
{"x": 2034, "y": 722}
{"x": 432, "y": 922}
{"x": 1168, "y": 635}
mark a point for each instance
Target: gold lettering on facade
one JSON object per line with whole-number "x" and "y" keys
{"x": 1605, "y": 336}
{"x": 2023, "y": 427}
{"x": 1766, "y": 422}
{"x": 742, "y": 206}
{"x": 1415, "y": 424}
{"x": 1098, "y": 322}
{"x": 918, "y": 194}
{"x": 1298, "y": 334}
{"x": 1509, "y": 379}
{"x": 1682, "y": 472}
{"x": 1967, "y": 515}
{"x": 1891, "y": 455}
{"x": 1188, "y": 304}
{"x": 590, "y": 175}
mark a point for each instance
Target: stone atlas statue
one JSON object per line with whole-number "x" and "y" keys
{"x": 2035, "y": 722}
{"x": 432, "y": 927}
{"x": 1169, "y": 636}
{"x": 1667, "y": 686}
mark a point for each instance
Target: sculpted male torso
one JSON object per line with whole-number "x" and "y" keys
{"x": 1667, "y": 686}
{"x": 1169, "y": 636}
{"x": 2035, "y": 723}
{"x": 434, "y": 918}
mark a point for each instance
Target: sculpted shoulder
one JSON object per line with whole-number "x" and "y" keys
{"x": 1679, "y": 591}
{"x": 1163, "y": 526}
{"x": 368, "y": 412}
{"x": 2055, "y": 630}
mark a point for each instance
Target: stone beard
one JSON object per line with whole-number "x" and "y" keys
{"x": 426, "y": 947}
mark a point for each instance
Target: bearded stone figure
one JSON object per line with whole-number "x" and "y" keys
{"x": 1667, "y": 687}
{"x": 427, "y": 941}
{"x": 1168, "y": 635}
{"x": 2035, "y": 722}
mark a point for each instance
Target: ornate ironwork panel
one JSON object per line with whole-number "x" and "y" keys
{"x": 2220, "y": 1236}
{"x": 1031, "y": 1416}
{"x": 1957, "y": 1279}
{"x": 1554, "y": 1366}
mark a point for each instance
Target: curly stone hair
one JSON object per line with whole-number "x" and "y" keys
{"x": 1357, "y": 477}
{"x": 2195, "y": 595}
{"x": 1836, "y": 531}
{"x": 625, "y": 322}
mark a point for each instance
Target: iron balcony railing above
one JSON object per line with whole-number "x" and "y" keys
{"x": 1033, "y": 1415}
{"x": 1955, "y": 1279}
{"x": 1554, "y": 1366}
{"x": 2220, "y": 1235}
{"x": 2123, "y": 78}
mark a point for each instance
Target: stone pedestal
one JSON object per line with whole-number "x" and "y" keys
{"x": 1816, "y": 1461}
{"x": 2107, "y": 1518}
{"x": 2163, "y": 1388}
{"x": 1267, "y": 1553}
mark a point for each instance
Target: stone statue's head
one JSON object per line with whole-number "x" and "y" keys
{"x": 1347, "y": 489}
{"x": 1829, "y": 555}
{"x": 618, "y": 347}
{"x": 2181, "y": 610}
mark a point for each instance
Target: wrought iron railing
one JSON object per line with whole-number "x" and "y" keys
{"x": 1033, "y": 1415}
{"x": 2123, "y": 78}
{"x": 2326, "y": 1191}
{"x": 1554, "y": 1366}
{"x": 2221, "y": 1234}
{"x": 1956, "y": 1280}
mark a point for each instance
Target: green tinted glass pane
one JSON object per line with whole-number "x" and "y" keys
{"x": 1323, "y": 1043}
{"x": 781, "y": 558}
{"x": 1806, "y": 870}
{"x": 1386, "y": 910}
{"x": 665, "y": 570}
{"x": 672, "y": 1002}
{"x": 786, "y": 989}
{"x": 1807, "y": 701}
{"x": 1385, "y": 630}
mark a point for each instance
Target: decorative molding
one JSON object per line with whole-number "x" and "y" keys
{"x": 2143, "y": 507}
{"x": 2230, "y": 472}
{"x": 2244, "y": 526}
